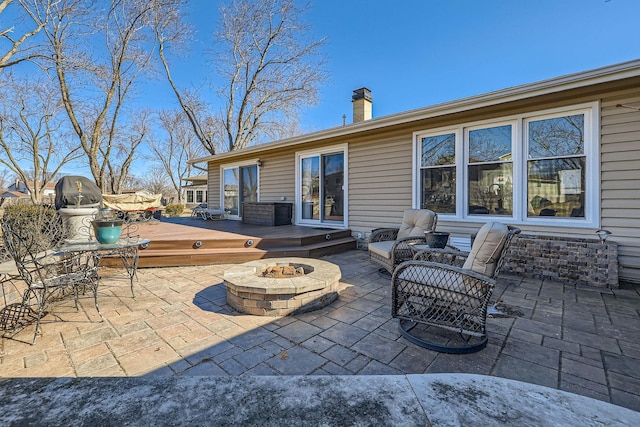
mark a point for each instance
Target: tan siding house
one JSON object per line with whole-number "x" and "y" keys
{"x": 363, "y": 175}
{"x": 281, "y": 169}
{"x": 196, "y": 190}
{"x": 620, "y": 171}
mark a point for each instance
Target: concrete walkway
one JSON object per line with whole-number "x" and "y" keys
{"x": 580, "y": 340}
{"x": 381, "y": 400}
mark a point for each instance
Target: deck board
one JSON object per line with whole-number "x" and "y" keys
{"x": 182, "y": 227}
{"x": 193, "y": 241}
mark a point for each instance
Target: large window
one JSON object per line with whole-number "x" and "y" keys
{"x": 538, "y": 168}
{"x": 556, "y": 169}
{"x": 438, "y": 172}
{"x": 490, "y": 171}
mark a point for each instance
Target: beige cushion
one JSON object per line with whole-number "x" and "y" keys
{"x": 415, "y": 222}
{"x": 487, "y": 248}
{"x": 382, "y": 249}
{"x": 441, "y": 284}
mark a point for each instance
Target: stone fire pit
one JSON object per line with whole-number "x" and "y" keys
{"x": 249, "y": 291}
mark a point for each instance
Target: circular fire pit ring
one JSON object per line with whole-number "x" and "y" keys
{"x": 249, "y": 291}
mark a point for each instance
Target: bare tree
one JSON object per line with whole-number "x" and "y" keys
{"x": 33, "y": 140}
{"x": 97, "y": 84}
{"x": 172, "y": 31}
{"x": 155, "y": 181}
{"x": 16, "y": 48}
{"x": 176, "y": 148}
{"x": 270, "y": 69}
{"x": 120, "y": 154}
{"x": 4, "y": 178}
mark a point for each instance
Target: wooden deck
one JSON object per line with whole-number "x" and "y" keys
{"x": 193, "y": 241}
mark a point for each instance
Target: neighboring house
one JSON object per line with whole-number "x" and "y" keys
{"x": 195, "y": 191}
{"x": 8, "y": 197}
{"x": 8, "y": 194}
{"x": 48, "y": 193}
{"x": 558, "y": 157}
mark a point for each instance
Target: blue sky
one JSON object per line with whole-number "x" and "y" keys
{"x": 422, "y": 52}
{"x": 416, "y": 53}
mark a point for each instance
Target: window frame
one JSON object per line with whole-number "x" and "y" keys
{"x": 520, "y": 158}
{"x": 417, "y": 166}
{"x": 299, "y": 155}
{"x": 515, "y": 128}
{"x": 237, "y": 165}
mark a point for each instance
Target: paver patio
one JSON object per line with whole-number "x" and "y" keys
{"x": 577, "y": 339}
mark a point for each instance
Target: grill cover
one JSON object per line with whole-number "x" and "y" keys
{"x": 67, "y": 192}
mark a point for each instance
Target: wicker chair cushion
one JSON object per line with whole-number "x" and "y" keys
{"x": 415, "y": 222}
{"x": 439, "y": 284}
{"x": 382, "y": 249}
{"x": 487, "y": 248}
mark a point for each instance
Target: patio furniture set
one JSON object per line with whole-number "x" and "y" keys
{"x": 440, "y": 295}
{"x": 436, "y": 289}
{"x": 38, "y": 254}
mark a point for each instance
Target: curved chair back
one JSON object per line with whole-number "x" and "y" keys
{"x": 489, "y": 248}
{"x": 415, "y": 222}
{"x": 29, "y": 235}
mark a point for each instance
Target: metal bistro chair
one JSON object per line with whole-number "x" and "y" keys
{"x": 14, "y": 315}
{"x": 31, "y": 240}
{"x": 388, "y": 247}
{"x": 447, "y": 292}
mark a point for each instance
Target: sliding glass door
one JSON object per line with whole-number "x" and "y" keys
{"x": 322, "y": 188}
{"x": 333, "y": 187}
{"x": 240, "y": 185}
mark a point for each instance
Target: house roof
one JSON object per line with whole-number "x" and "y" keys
{"x": 49, "y": 185}
{"x": 606, "y": 74}
{"x": 11, "y": 194}
{"x": 30, "y": 185}
{"x": 196, "y": 178}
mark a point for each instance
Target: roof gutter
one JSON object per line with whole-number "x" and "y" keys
{"x": 607, "y": 74}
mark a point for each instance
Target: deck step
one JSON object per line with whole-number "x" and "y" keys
{"x": 247, "y": 241}
{"x": 162, "y": 255}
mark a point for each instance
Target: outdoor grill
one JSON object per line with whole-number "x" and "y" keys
{"x": 77, "y": 202}
{"x": 77, "y": 192}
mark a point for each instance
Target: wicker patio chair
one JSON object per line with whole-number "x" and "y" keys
{"x": 388, "y": 247}
{"x": 31, "y": 239}
{"x": 447, "y": 292}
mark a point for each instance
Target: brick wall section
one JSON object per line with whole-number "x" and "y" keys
{"x": 582, "y": 261}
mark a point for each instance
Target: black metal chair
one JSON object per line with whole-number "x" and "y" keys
{"x": 31, "y": 238}
{"x": 447, "y": 292}
{"x": 14, "y": 314}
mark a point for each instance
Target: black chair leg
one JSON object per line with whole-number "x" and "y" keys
{"x": 463, "y": 344}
